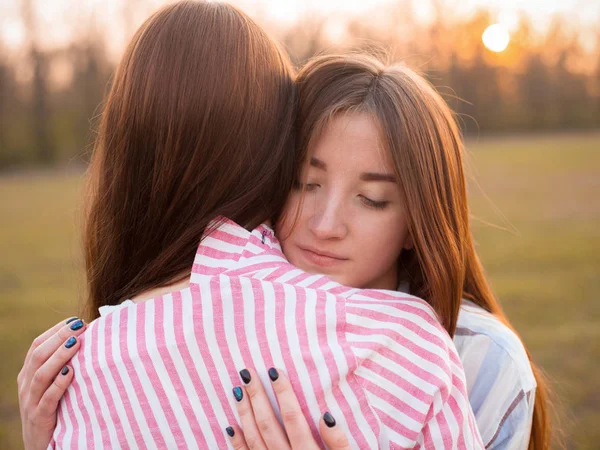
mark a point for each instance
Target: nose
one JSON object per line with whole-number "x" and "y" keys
{"x": 327, "y": 221}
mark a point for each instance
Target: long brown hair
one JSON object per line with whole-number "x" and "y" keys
{"x": 421, "y": 134}
{"x": 198, "y": 124}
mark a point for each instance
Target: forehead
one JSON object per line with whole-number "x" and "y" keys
{"x": 351, "y": 137}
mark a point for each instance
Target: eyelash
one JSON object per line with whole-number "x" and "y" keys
{"x": 308, "y": 187}
{"x": 372, "y": 203}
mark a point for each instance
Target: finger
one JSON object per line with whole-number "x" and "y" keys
{"x": 295, "y": 424}
{"x": 244, "y": 408}
{"x": 41, "y": 354}
{"x": 269, "y": 427}
{"x": 47, "y": 373}
{"x": 334, "y": 437}
{"x": 236, "y": 437}
{"x": 44, "y": 337}
{"x": 49, "y": 401}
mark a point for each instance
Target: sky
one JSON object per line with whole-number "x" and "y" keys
{"x": 59, "y": 21}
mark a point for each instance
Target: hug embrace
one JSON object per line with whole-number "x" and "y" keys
{"x": 277, "y": 260}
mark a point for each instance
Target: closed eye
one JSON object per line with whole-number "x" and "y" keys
{"x": 373, "y": 203}
{"x": 308, "y": 187}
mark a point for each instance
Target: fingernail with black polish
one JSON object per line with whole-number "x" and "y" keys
{"x": 329, "y": 420}
{"x": 230, "y": 431}
{"x": 238, "y": 393}
{"x": 65, "y": 370}
{"x": 245, "y": 375}
{"x": 273, "y": 374}
{"x": 72, "y": 319}
{"x": 77, "y": 325}
{"x": 71, "y": 342}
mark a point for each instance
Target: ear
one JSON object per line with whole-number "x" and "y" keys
{"x": 408, "y": 243}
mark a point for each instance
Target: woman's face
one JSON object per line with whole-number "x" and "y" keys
{"x": 352, "y": 224}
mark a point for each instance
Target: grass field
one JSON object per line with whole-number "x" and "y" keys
{"x": 536, "y": 220}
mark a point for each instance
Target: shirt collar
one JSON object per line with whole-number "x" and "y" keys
{"x": 225, "y": 244}
{"x": 229, "y": 247}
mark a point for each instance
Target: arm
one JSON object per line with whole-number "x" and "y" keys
{"x": 501, "y": 391}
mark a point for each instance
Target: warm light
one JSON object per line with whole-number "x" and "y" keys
{"x": 12, "y": 33}
{"x": 495, "y": 37}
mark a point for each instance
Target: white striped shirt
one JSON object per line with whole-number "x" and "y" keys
{"x": 500, "y": 381}
{"x": 159, "y": 374}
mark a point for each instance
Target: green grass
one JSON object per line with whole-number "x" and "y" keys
{"x": 536, "y": 222}
{"x": 537, "y": 225}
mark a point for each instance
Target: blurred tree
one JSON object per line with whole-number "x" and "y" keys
{"x": 543, "y": 80}
{"x": 40, "y": 113}
{"x": 535, "y": 88}
{"x": 6, "y": 89}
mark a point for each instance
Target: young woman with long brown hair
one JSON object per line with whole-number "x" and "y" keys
{"x": 196, "y": 145}
{"x": 382, "y": 203}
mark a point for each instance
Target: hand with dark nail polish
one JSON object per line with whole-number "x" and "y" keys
{"x": 259, "y": 424}
{"x": 44, "y": 379}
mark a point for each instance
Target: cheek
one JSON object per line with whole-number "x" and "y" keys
{"x": 290, "y": 220}
{"x": 380, "y": 246}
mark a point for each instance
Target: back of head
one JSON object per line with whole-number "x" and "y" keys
{"x": 198, "y": 124}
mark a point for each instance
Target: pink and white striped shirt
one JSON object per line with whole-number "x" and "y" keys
{"x": 159, "y": 374}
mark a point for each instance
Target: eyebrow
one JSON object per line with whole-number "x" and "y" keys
{"x": 315, "y": 162}
{"x": 369, "y": 176}
{"x": 365, "y": 176}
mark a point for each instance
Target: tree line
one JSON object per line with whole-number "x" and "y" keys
{"x": 50, "y": 99}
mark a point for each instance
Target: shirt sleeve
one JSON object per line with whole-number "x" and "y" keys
{"x": 503, "y": 407}
{"x": 412, "y": 376}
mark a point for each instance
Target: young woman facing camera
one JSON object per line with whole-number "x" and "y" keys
{"x": 194, "y": 156}
{"x": 381, "y": 203}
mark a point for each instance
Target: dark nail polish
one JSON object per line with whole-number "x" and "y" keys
{"x": 71, "y": 342}
{"x": 72, "y": 319}
{"x": 328, "y": 419}
{"x": 238, "y": 393}
{"x": 245, "y": 375}
{"x": 77, "y": 325}
{"x": 230, "y": 431}
{"x": 65, "y": 370}
{"x": 273, "y": 374}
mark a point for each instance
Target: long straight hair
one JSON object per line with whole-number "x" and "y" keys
{"x": 198, "y": 124}
{"x": 423, "y": 139}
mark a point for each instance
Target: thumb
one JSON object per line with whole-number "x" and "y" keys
{"x": 333, "y": 436}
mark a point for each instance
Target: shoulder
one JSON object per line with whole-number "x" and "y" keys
{"x": 398, "y": 312}
{"x": 397, "y": 305}
{"x": 487, "y": 346}
{"x": 401, "y": 330}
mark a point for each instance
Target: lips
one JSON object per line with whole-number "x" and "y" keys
{"x": 321, "y": 258}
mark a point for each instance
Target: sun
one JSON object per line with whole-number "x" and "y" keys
{"x": 12, "y": 33}
{"x": 496, "y": 38}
